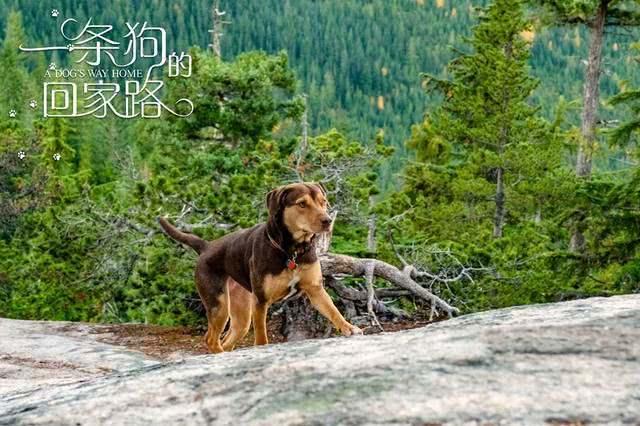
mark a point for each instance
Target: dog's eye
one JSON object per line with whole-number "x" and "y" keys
{"x": 302, "y": 204}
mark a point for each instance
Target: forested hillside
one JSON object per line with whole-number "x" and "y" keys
{"x": 359, "y": 61}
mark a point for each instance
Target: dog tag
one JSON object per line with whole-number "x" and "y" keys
{"x": 291, "y": 264}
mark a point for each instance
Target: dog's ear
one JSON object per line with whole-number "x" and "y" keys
{"x": 272, "y": 202}
{"x": 275, "y": 200}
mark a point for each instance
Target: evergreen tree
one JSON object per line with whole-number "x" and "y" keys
{"x": 485, "y": 115}
{"x": 489, "y": 174}
{"x": 14, "y": 91}
{"x": 597, "y": 15}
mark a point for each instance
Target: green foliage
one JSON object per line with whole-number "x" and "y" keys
{"x": 620, "y": 12}
{"x": 485, "y": 118}
{"x": 487, "y": 122}
{"x": 78, "y": 237}
{"x": 89, "y": 248}
{"x": 625, "y": 133}
{"x": 359, "y": 61}
{"x": 244, "y": 99}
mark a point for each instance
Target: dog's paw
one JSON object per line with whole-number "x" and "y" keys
{"x": 351, "y": 330}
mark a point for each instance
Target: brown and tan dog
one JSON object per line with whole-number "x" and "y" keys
{"x": 241, "y": 274}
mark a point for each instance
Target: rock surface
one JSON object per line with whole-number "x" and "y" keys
{"x": 566, "y": 363}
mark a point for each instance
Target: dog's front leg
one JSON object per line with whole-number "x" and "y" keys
{"x": 260, "y": 309}
{"x": 321, "y": 300}
{"x": 312, "y": 286}
{"x": 260, "y": 306}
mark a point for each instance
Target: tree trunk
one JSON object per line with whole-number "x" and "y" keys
{"x": 371, "y": 225}
{"x": 591, "y": 95}
{"x": 301, "y": 321}
{"x": 498, "y": 219}
{"x": 304, "y": 142}
{"x": 591, "y": 92}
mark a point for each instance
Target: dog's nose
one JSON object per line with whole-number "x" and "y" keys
{"x": 326, "y": 222}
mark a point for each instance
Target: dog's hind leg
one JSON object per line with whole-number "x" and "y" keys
{"x": 217, "y": 317}
{"x": 240, "y": 308}
{"x": 215, "y": 297}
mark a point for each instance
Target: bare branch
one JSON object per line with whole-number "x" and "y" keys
{"x": 369, "y": 268}
{"x": 461, "y": 271}
{"x": 353, "y": 295}
{"x": 333, "y": 264}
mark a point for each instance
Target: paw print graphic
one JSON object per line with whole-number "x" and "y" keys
{"x": 33, "y": 104}
{"x": 57, "y": 157}
{"x": 52, "y": 66}
{"x": 13, "y": 113}
{"x": 70, "y": 47}
{"x": 21, "y": 155}
{"x": 54, "y": 13}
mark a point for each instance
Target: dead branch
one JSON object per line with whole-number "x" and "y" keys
{"x": 382, "y": 293}
{"x": 304, "y": 142}
{"x": 369, "y": 268}
{"x": 459, "y": 271}
{"x": 336, "y": 264}
{"x": 352, "y": 295}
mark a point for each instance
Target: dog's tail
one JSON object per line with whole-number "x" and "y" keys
{"x": 193, "y": 241}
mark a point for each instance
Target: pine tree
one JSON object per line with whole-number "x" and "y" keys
{"x": 13, "y": 73}
{"x": 485, "y": 115}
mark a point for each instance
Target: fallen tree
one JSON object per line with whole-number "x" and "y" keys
{"x": 340, "y": 265}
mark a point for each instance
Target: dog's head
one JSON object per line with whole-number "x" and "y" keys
{"x": 301, "y": 208}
